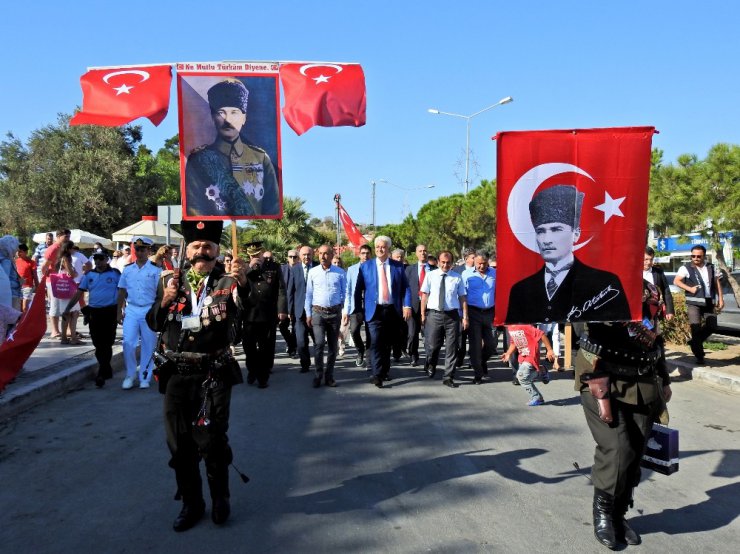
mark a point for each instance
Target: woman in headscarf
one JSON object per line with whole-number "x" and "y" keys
{"x": 8, "y": 249}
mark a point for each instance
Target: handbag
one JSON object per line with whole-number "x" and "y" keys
{"x": 661, "y": 452}
{"x": 62, "y": 286}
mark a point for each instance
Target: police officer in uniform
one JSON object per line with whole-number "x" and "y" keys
{"x": 621, "y": 374}
{"x": 193, "y": 312}
{"x": 230, "y": 177}
{"x": 263, "y": 305}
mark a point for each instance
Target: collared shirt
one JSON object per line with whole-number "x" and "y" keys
{"x": 349, "y": 301}
{"x": 78, "y": 262}
{"x": 102, "y": 286}
{"x": 325, "y": 287}
{"x": 648, "y": 276}
{"x": 454, "y": 290}
{"x": 480, "y": 288}
{"x": 703, "y": 273}
{"x": 380, "y": 266}
{"x": 140, "y": 284}
{"x": 561, "y": 275}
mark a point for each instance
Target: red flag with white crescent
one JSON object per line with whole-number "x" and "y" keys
{"x": 353, "y": 233}
{"x": 571, "y": 224}
{"x": 324, "y": 94}
{"x": 116, "y": 96}
{"x": 23, "y": 339}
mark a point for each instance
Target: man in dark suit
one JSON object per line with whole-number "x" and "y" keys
{"x": 382, "y": 288}
{"x": 656, "y": 276}
{"x": 296, "y": 300}
{"x": 564, "y": 289}
{"x": 284, "y": 325}
{"x": 415, "y": 274}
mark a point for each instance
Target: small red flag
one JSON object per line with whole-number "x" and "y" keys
{"x": 113, "y": 97}
{"x": 324, "y": 94}
{"x": 353, "y": 233}
{"x": 24, "y": 338}
{"x": 572, "y": 212}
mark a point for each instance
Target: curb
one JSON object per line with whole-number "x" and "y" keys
{"x": 714, "y": 377}
{"x": 57, "y": 380}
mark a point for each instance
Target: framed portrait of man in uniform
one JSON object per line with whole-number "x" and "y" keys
{"x": 229, "y": 120}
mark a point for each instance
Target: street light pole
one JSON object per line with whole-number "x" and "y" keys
{"x": 467, "y": 119}
{"x": 372, "y": 194}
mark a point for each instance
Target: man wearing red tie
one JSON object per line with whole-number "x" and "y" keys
{"x": 383, "y": 289}
{"x": 415, "y": 274}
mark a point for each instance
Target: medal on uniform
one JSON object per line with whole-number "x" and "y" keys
{"x": 208, "y": 301}
{"x": 170, "y": 317}
{"x": 206, "y": 322}
{"x": 218, "y": 317}
{"x": 178, "y": 317}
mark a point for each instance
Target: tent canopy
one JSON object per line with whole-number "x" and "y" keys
{"x": 148, "y": 227}
{"x": 81, "y": 238}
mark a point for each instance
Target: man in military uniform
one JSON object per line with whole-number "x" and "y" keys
{"x": 230, "y": 177}
{"x": 621, "y": 374}
{"x": 263, "y": 305}
{"x": 193, "y": 312}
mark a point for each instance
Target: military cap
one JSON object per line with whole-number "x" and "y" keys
{"x": 254, "y": 248}
{"x": 142, "y": 241}
{"x": 195, "y": 229}
{"x": 99, "y": 255}
{"x": 229, "y": 92}
{"x": 558, "y": 204}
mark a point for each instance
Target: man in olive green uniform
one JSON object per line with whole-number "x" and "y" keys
{"x": 196, "y": 370}
{"x": 229, "y": 177}
{"x": 624, "y": 384}
{"x": 263, "y": 305}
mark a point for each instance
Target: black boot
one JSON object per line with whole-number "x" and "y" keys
{"x": 218, "y": 482}
{"x": 603, "y": 514}
{"x": 190, "y": 487}
{"x": 624, "y": 533}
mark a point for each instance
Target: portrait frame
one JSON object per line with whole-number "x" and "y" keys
{"x": 261, "y": 134}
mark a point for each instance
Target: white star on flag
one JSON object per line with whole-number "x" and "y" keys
{"x": 11, "y": 335}
{"x": 321, "y": 79}
{"x": 123, "y": 89}
{"x": 610, "y": 207}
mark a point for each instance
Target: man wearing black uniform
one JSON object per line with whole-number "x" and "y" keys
{"x": 264, "y": 304}
{"x": 194, "y": 312}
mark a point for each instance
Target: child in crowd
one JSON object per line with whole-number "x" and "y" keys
{"x": 526, "y": 339}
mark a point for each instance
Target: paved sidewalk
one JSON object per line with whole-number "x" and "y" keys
{"x": 55, "y": 369}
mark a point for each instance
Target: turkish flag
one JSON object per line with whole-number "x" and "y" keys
{"x": 24, "y": 338}
{"x": 571, "y": 224}
{"x": 324, "y": 94}
{"x": 113, "y": 97}
{"x": 353, "y": 233}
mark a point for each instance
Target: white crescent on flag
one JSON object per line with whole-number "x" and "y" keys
{"x": 353, "y": 233}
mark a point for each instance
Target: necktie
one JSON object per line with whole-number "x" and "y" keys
{"x": 305, "y": 274}
{"x": 422, "y": 274}
{"x": 384, "y": 285}
{"x": 441, "y": 306}
{"x": 552, "y": 286}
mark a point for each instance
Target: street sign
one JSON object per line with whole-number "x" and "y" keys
{"x": 169, "y": 214}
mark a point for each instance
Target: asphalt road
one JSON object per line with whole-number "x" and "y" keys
{"x": 414, "y": 467}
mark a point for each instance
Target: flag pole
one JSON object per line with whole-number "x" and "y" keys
{"x": 234, "y": 245}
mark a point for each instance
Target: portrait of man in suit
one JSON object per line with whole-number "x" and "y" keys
{"x": 564, "y": 289}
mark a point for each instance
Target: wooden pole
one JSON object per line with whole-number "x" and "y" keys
{"x": 568, "y": 357}
{"x": 234, "y": 244}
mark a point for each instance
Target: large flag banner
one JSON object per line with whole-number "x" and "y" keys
{"x": 24, "y": 338}
{"x": 116, "y": 96}
{"x": 571, "y": 224}
{"x": 229, "y": 119}
{"x": 324, "y": 94}
{"x": 353, "y": 233}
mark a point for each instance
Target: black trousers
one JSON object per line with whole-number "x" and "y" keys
{"x": 384, "y": 329}
{"x": 103, "y": 323}
{"x": 439, "y": 327}
{"x": 414, "y": 331}
{"x": 258, "y": 341}
{"x": 288, "y": 332}
{"x": 699, "y": 332}
{"x": 620, "y": 444}
{"x": 302, "y": 332}
{"x": 480, "y": 332}
{"x": 188, "y": 442}
{"x": 355, "y": 329}
{"x": 462, "y": 345}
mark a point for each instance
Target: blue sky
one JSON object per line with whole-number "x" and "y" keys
{"x": 568, "y": 64}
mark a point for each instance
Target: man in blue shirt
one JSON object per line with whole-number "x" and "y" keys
{"x": 480, "y": 284}
{"x": 443, "y": 296}
{"x": 325, "y": 290}
{"x": 353, "y": 312}
{"x": 101, "y": 284}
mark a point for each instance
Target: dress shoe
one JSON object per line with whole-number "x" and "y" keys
{"x": 478, "y": 381}
{"x": 189, "y": 515}
{"x": 220, "y": 511}
{"x": 331, "y": 383}
{"x": 431, "y": 371}
{"x": 376, "y": 381}
{"x": 316, "y": 382}
{"x": 251, "y": 378}
{"x": 304, "y": 369}
{"x": 99, "y": 381}
{"x": 449, "y": 383}
{"x": 262, "y": 386}
{"x": 414, "y": 361}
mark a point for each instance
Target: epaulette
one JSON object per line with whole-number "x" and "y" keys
{"x": 255, "y": 147}
{"x": 198, "y": 149}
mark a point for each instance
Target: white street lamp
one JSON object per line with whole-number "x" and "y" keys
{"x": 467, "y": 119}
{"x": 374, "y": 182}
